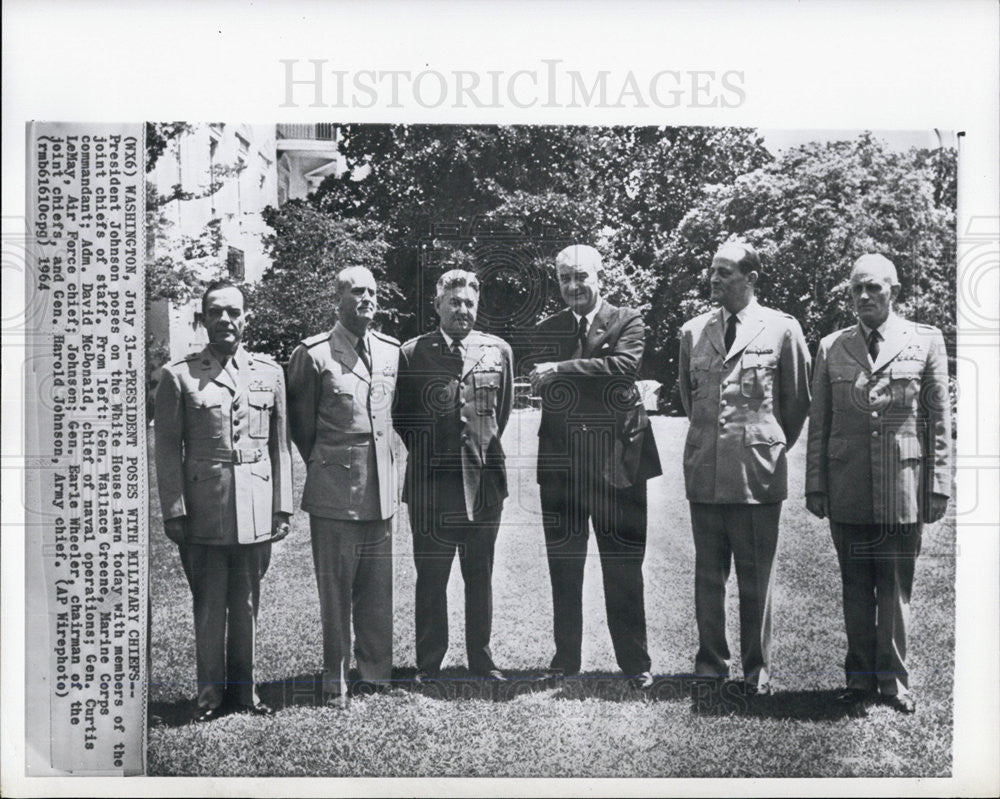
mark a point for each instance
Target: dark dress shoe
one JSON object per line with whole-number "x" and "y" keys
{"x": 260, "y": 709}
{"x": 210, "y": 714}
{"x": 641, "y": 682}
{"x": 425, "y": 677}
{"x": 855, "y": 701}
{"x": 901, "y": 703}
{"x": 755, "y": 689}
{"x": 361, "y": 688}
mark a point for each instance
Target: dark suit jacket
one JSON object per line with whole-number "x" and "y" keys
{"x": 451, "y": 419}
{"x": 595, "y": 396}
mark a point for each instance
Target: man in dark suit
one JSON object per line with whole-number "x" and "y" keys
{"x": 595, "y": 452}
{"x": 453, "y": 399}
{"x": 879, "y": 466}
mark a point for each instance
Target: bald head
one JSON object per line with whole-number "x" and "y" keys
{"x": 577, "y": 268}
{"x": 355, "y": 299}
{"x": 874, "y": 287}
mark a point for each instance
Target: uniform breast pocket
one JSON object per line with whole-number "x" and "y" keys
{"x": 904, "y": 382}
{"x": 487, "y": 386}
{"x": 261, "y": 405}
{"x": 701, "y": 375}
{"x": 757, "y": 376}
{"x": 203, "y": 418}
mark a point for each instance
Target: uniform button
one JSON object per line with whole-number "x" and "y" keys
{"x": 236, "y": 436}
{"x": 236, "y": 405}
{"x": 722, "y": 422}
{"x": 379, "y": 434}
{"x": 874, "y": 433}
{"x": 722, "y": 403}
{"x": 874, "y": 414}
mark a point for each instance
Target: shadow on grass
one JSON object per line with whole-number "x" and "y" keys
{"x": 456, "y": 684}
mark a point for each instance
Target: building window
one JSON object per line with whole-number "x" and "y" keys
{"x": 235, "y": 263}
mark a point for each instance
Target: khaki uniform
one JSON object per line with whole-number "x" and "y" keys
{"x": 341, "y": 417}
{"x": 879, "y": 446}
{"x": 747, "y": 407}
{"x": 223, "y": 464}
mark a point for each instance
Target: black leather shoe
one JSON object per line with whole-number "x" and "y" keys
{"x": 901, "y": 703}
{"x": 754, "y": 689}
{"x": 641, "y": 682}
{"x": 425, "y": 677}
{"x": 206, "y": 714}
{"x": 855, "y": 701}
{"x": 260, "y": 709}
{"x": 362, "y": 688}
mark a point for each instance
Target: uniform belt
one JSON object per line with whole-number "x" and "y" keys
{"x": 231, "y": 455}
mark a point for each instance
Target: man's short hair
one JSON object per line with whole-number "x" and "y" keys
{"x": 340, "y": 280}
{"x": 456, "y": 279}
{"x": 580, "y": 255}
{"x": 217, "y": 285}
{"x": 743, "y": 254}
{"x": 879, "y": 263}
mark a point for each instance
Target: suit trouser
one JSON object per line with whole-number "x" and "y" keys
{"x": 353, "y": 561}
{"x": 748, "y": 535}
{"x": 225, "y": 584}
{"x": 436, "y": 536}
{"x": 876, "y": 569}
{"x": 569, "y": 504}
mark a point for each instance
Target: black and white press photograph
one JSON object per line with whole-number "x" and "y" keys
{"x": 550, "y": 451}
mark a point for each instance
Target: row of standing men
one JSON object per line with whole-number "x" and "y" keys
{"x": 877, "y": 465}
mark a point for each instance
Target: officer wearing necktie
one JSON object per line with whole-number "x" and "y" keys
{"x": 340, "y": 388}
{"x": 744, "y": 383}
{"x": 453, "y": 401}
{"x": 225, "y": 479}
{"x": 879, "y": 467}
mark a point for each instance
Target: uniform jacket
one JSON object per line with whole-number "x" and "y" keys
{"x": 339, "y": 412}
{"x": 455, "y": 417}
{"x": 879, "y": 433}
{"x": 745, "y": 410}
{"x": 594, "y": 397}
{"x": 222, "y": 456}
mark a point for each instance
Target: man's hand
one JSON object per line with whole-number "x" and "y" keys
{"x": 541, "y": 374}
{"x": 816, "y": 504}
{"x": 935, "y": 508}
{"x": 176, "y": 529}
{"x": 280, "y": 526}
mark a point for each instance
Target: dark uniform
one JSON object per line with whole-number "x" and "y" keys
{"x": 451, "y": 413}
{"x": 223, "y": 464}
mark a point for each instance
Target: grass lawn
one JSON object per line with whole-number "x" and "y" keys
{"x": 592, "y": 726}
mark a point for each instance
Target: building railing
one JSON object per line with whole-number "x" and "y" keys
{"x": 323, "y": 131}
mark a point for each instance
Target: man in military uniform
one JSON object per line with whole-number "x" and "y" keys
{"x": 452, "y": 404}
{"x": 744, "y": 383}
{"x": 340, "y": 387}
{"x": 878, "y": 466}
{"x": 225, "y": 478}
{"x": 595, "y": 453}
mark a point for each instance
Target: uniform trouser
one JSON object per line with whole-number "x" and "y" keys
{"x": 748, "y": 535}
{"x": 435, "y": 540}
{"x": 876, "y": 569}
{"x": 569, "y": 504}
{"x": 353, "y": 561}
{"x": 225, "y": 583}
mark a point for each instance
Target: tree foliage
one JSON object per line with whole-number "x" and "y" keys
{"x": 294, "y": 298}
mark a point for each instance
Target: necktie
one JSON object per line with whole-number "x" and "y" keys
{"x": 730, "y": 332}
{"x": 363, "y": 354}
{"x": 581, "y": 336}
{"x": 456, "y": 349}
{"x": 873, "y": 341}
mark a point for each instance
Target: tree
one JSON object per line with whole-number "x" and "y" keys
{"x": 295, "y": 296}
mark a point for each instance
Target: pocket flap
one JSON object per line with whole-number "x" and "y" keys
{"x": 198, "y": 403}
{"x": 908, "y": 447}
{"x": 486, "y": 379}
{"x": 261, "y": 469}
{"x": 337, "y": 456}
{"x": 907, "y": 370}
{"x": 763, "y": 434}
{"x": 261, "y": 399}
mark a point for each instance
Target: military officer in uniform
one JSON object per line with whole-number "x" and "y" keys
{"x": 744, "y": 383}
{"x": 453, "y": 400}
{"x": 225, "y": 479}
{"x": 878, "y": 466}
{"x": 340, "y": 388}
{"x": 596, "y": 451}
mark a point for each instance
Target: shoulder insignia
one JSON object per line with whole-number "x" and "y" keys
{"x": 319, "y": 338}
